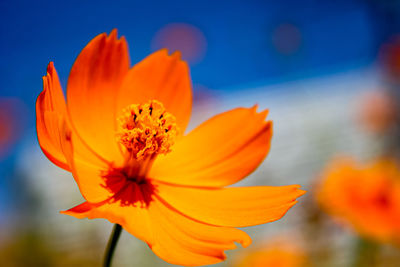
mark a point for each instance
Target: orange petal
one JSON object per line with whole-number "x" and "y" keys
{"x": 219, "y": 152}
{"x": 160, "y": 77}
{"x": 172, "y": 236}
{"x": 87, "y": 167}
{"x": 92, "y": 89}
{"x": 182, "y": 241}
{"x": 134, "y": 219}
{"x": 50, "y": 113}
{"x": 233, "y": 207}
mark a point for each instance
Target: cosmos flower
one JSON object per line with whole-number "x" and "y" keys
{"x": 278, "y": 252}
{"x": 121, "y": 134}
{"x": 366, "y": 197}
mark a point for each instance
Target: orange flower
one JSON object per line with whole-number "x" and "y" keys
{"x": 121, "y": 135}
{"x": 364, "y": 196}
{"x": 277, "y": 253}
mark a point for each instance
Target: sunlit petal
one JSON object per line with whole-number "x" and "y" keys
{"x": 220, "y": 152}
{"x": 92, "y": 90}
{"x": 163, "y": 78}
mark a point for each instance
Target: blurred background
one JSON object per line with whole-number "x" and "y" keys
{"x": 328, "y": 71}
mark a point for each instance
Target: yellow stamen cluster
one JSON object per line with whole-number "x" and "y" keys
{"x": 147, "y": 129}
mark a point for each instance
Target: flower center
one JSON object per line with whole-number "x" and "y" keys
{"x": 147, "y": 130}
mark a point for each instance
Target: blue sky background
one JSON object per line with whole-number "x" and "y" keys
{"x": 335, "y": 35}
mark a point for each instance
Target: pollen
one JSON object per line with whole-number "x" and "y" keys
{"x": 147, "y": 129}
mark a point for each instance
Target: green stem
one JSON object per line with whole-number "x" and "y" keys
{"x": 366, "y": 253}
{"x": 112, "y": 243}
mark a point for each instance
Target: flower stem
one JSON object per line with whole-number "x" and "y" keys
{"x": 366, "y": 254}
{"x": 112, "y": 243}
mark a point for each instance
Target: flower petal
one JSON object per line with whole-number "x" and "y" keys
{"x": 134, "y": 219}
{"x": 159, "y": 77}
{"x": 183, "y": 241}
{"x": 92, "y": 89}
{"x": 219, "y": 152}
{"x": 50, "y": 113}
{"x": 86, "y": 167}
{"x": 232, "y": 207}
{"x": 52, "y": 121}
{"x": 172, "y": 236}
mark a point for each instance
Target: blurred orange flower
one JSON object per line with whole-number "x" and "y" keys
{"x": 364, "y": 196}
{"x": 276, "y": 253}
{"x": 121, "y": 134}
{"x": 13, "y": 113}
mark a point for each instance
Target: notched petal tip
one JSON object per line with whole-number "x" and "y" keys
{"x": 263, "y": 113}
{"x": 113, "y": 34}
{"x": 50, "y": 67}
{"x": 174, "y": 55}
{"x": 177, "y": 54}
{"x": 50, "y": 72}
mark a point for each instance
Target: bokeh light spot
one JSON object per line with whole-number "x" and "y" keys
{"x": 287, "y": 39}
{"x": 389, "y": 56}
{"x": 187, "y": 39}
{"x": 12, "y": 121}
{"x": 377, "y": 111}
